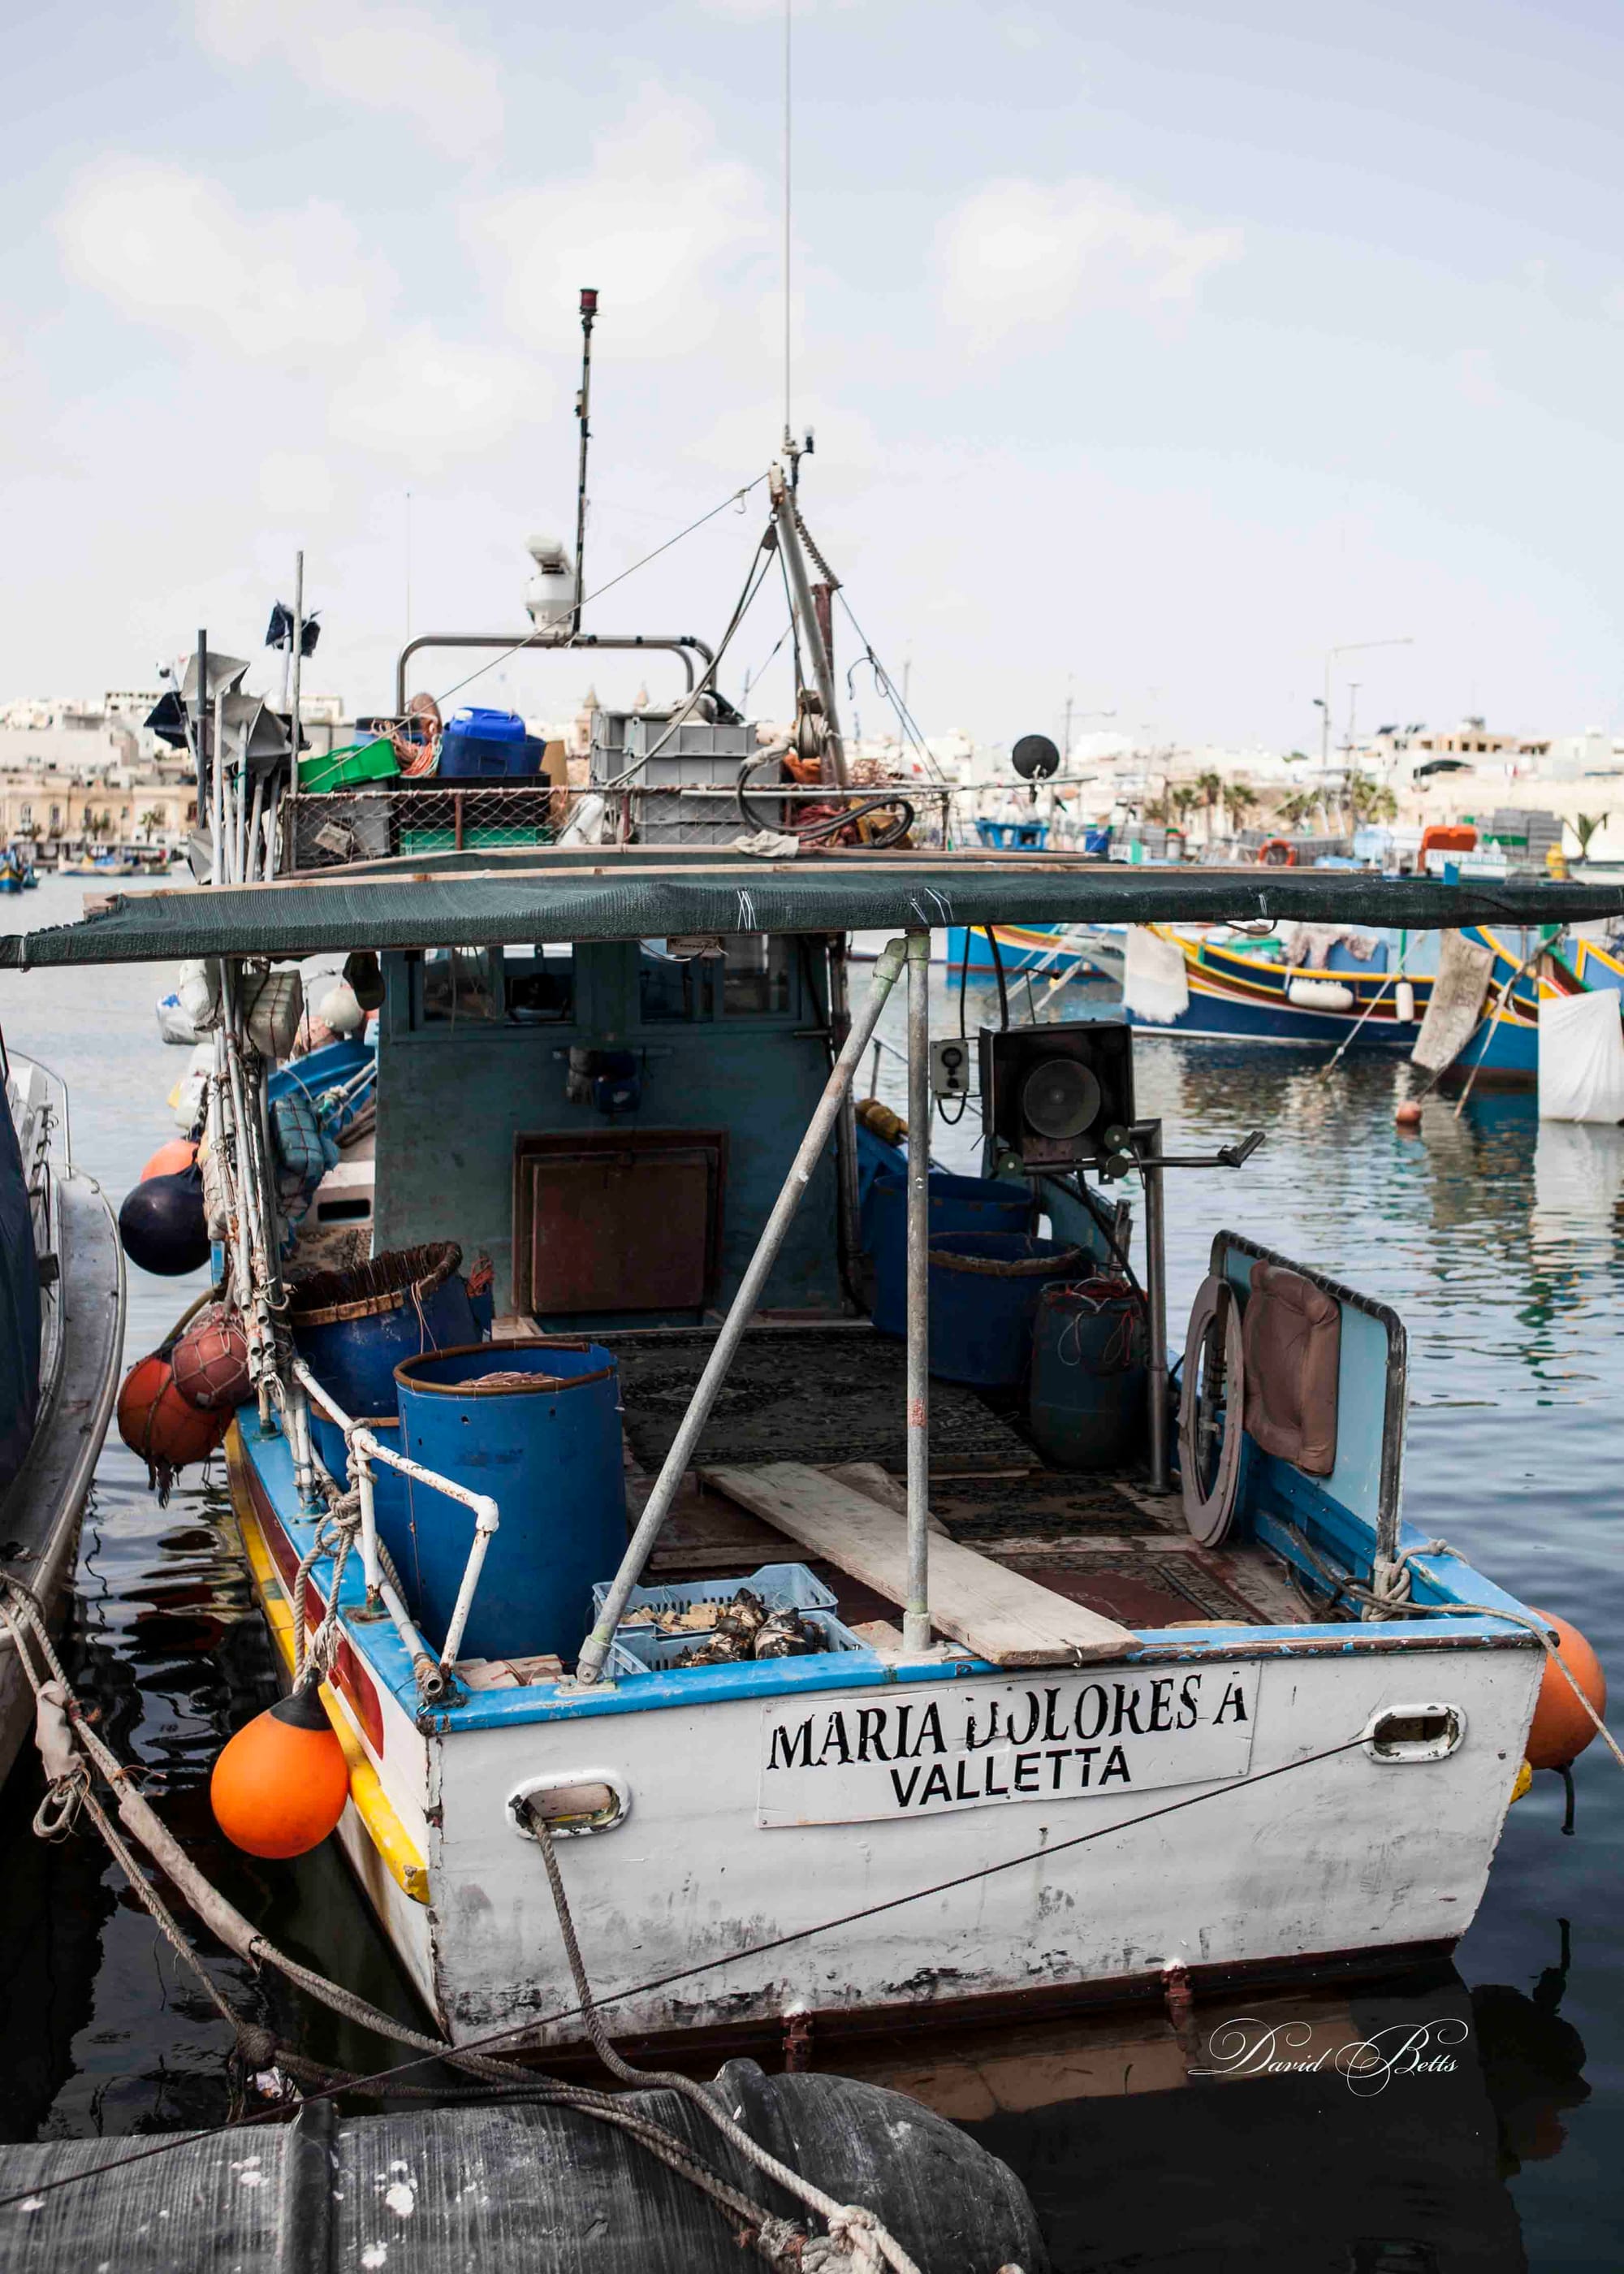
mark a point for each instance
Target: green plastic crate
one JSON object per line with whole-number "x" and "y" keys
{"x": 355, "y": 762}
{"x": 491, "y": 835}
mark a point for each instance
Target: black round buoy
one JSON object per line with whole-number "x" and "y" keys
{"x": 163, "y": 1226}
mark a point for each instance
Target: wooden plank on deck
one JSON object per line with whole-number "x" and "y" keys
{"x": 996, "y": 1613}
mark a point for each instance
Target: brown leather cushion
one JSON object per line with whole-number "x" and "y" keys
{"x": 1292, "y": 1338}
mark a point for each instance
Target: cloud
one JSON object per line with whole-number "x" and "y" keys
{"x": 1020, "y": 253}
{"x": 431, "y": 400}
{"x": 659, "y": 225}
{"x": 171, "y": 248}
{"x": 1477, "y": 379}
{"x": 295, "y": 485}
{"x": 382, "y": 57}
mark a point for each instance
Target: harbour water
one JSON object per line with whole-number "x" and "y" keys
{"x": 1500, "y": 1241}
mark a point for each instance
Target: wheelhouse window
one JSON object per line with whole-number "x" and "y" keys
{"x": 757, "y": 975}
{"x": 458, "y": 984}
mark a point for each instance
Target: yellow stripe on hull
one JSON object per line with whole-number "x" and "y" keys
{"x": 399, "y": 1853}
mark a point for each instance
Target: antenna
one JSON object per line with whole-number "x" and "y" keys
{"x": 589, "y": 312}
{"x": 789, "y": 320}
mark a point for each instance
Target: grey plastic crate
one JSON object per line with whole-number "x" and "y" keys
{"x": 644, "y": 1650}
{"x": 781, "y": 1586}
{"x": 683, "y": 791}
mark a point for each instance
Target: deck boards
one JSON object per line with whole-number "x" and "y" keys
{"x": 1001, "y": 1615}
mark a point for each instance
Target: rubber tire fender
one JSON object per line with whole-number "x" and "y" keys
{"x": 1209, "y": 1514}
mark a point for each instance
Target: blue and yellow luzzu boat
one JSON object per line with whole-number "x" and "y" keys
{"x": 1241, "y": 987}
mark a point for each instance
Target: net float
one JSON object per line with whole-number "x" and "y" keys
{"x": 1561, "y": 1727}
{"x": 280, "y": 1786}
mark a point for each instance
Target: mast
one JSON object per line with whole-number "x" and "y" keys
{"x": 589, "y": 311}
{"x": 805, "y": 608}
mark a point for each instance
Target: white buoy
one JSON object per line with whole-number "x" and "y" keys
{"x": 339, "y": 1010}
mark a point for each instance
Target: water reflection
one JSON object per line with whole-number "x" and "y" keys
{"x": 1371, "y": 2130}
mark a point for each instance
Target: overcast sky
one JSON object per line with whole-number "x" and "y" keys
{"x": 1150, "y": 350}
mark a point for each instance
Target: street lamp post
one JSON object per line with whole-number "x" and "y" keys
{"x": 1349, "y": 647}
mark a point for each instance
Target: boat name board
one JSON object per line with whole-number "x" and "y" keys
{"x": 1080, "y": 1737}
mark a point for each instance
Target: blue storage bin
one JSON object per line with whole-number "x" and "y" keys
{"x": 984, "y": 1292}
{"x": 781, "y": 1586}
{"x": 547, "y": 1450}
{"x": 353, "y": 1328}
{"x": 956, "y": 1204}
{"x": 645, "y": 1650}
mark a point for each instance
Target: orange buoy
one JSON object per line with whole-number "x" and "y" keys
{"x": 1409, "y": 1114}
{"x": 1562, "y": 1728}
{"x": 156, "y": 1422}
{"x": 280, "y": 1786}
{"x": 170, "y": 1160}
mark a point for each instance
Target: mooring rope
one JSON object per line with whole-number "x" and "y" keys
{"x": 867, "y": 2236}
{"x": 63, "y": 1728}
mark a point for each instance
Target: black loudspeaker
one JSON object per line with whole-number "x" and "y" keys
{"x": 1059, "y": 1096}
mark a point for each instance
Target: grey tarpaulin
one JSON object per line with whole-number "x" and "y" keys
{"x": 636, "y": 892}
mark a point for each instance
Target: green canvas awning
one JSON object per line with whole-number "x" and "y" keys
{"x": 641, "y": 893}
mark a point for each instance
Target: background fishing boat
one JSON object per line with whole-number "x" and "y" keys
{"x": 62, "y": 1311}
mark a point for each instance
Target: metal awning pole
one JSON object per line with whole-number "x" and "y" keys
{"x": 595, "y": 1649}
{"x": 1147, "y": 1135}
{"x": 916, "y": 1611}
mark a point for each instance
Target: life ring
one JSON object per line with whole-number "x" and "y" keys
{"x": 1212, "y": 1396}
{"x": 1277, "y": 852}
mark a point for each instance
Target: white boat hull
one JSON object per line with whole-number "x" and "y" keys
{"x": 1348, "y": 1855}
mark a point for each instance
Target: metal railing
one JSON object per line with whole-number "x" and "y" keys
{"x": 363, "y": 1448}
{"x": 388, "y": 821}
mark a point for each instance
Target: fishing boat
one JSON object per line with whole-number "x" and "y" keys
{"x": 857, "y": 1677}
{"x": 1346, "y": 987}
{"x": 62, "y": 1311}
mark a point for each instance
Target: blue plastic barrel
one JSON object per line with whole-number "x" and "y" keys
{"x": 956, "y": 1203}
{"x": 984, "y": 1291}
{"x": 353, "y": 1327}
{"x": 1087, "y": 1406}
{"x": 481, "y": 744}
{"x": 547, "y": 1447}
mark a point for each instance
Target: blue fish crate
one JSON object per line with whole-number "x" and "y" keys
{"x": 781, "y": 1586}
{"x": 646, "y": 1650}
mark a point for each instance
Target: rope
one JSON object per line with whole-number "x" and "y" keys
{"x": 846, "y": 2223}
{"x": 334, "y": 1537}
{"x": 810, "y": 542}
{"x": 1391, "y": 1596}
{"x": 386, "y": 2079}
{"x": 69, "y": 1791}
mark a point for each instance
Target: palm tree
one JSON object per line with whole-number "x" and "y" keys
{"x": 1184, "y": 798}
{"x": 1210, "y": 786}
{"x": 1239, "y": 798}
{"x": 1297, "y": 806}
{"x": 1584, "y": 827}
{"x": 1155, "y": 809}
{"x": 153, "y": 819}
